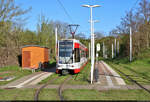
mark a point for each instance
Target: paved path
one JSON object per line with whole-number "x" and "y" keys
{"x": 107, "y": 76}
{"x": 31, "y": 79}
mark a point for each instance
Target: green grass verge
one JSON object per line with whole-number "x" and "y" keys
{"x": 17, "y": 94}
{"x": 27, "y": 94}
{"x": 53, "y": 76}
{"x": 138, "y": 69}
{"x": 80, "y": 78}
{"x": 84, "y": 94}
{"x": 13, "y": 71}
{"x": 48, "y": 78}
{"x": 71, "y": 94}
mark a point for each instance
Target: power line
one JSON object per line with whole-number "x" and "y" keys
{"x": 65, "y": 11}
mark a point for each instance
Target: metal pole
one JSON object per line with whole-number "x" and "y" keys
{"x": 89, "y": 51}
{"x": 118, "y": 48}
{"x": 103, "y": 50}
{"x": 112, "y": 51}
{"x": 92, "y": 39}
{"x": 130, "y": 44}
{"x": 91, "y": 46}
{"x": 55, "y": 39}
{"x": 56, "y": 43}
{"x": 115, "y": 47}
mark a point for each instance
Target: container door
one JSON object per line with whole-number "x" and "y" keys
{"x": 45, "y": 55}
{"x": 26, "y": 58}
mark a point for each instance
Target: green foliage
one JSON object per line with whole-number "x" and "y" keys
{"x": 138, "y": 20}
{"x": 28, "y": 38}
{"x": 13, "y": 36}
{"x": 10, "y": 31}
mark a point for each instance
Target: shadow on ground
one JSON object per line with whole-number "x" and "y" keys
{"x": 49, "y": 67}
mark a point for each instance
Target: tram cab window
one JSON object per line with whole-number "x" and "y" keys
{"x": 77, "y": 54}
{"x": 65, "y": 52}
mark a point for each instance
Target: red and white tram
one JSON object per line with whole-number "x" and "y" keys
{"x": 71, "y": 56}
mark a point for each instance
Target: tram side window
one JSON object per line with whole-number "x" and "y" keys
{"x": 77, "y": 54}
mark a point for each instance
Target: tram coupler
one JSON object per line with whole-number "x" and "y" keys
{"x": 64, "y": 72}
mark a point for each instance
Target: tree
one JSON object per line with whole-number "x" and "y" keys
{"x": 63, "y": 29}
{"x": 98, "y": 35}
{"x": 79, "y": 36}
{"x": 10, "y": 15}
{"x": 138, "y": 19}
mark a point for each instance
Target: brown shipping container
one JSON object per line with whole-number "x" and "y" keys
{"x": 33, "y": 55}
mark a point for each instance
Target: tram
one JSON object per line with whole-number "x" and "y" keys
{"x": 71, "y": 56}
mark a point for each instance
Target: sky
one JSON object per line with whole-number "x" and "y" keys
{"x": 109, "y": 14}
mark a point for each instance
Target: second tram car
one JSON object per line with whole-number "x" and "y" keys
{"x": 71, "y": 56}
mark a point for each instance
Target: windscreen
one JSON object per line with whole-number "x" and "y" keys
{"x": 65, "y": 52}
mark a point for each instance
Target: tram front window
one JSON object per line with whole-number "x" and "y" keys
{"x": 65, "y": 52}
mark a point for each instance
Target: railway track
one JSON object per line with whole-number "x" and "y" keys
{"x": 60, "y": 89}
{"x": 132, "y": 80}
{"x": 36, "y": 97}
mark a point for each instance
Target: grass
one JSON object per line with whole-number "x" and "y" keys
{"x": 12, "y": 94}
{"x": 72, "y": 94}
{"x": 138, "y": 69}
{"x": 81, "y": 78}
{"x": 49, "y": 94}
{"x": 48, "y": 78}
{"x": 53, "y": 76}
{"x": 84, "y": 94}
{"x": 27, "y": 94}
{"x": 13, "y": 71}
{"x": 17, "y": 72}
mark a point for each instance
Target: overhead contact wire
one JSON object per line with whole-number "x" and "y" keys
{"x": 67, "y": 14}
